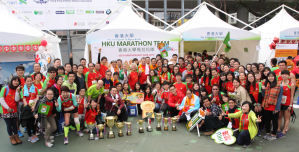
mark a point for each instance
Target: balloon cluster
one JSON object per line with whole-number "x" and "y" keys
{"x": 46, "y": 47}
{"x": 273, "y": 44}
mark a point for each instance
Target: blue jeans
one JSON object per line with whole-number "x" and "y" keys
{"x": 157, "y": 107}
{"x": 244, "y": 138}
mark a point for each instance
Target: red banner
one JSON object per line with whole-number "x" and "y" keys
{"x": 13, "y": 48}
{"x": 28, "y": 47}
{"x": 0, "y": 48}
{"x": 6, "y": 48}
{"x": 21, "y": 48}
{"x": 35, "y": 47}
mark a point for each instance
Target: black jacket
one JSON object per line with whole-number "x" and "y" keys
{"x": 78, "y": 84}
{"x": 43, "y": 101}
{"x": 26, "y": 114}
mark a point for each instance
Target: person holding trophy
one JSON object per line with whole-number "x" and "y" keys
{"x": 68, "y": 105}
{"x": 189, "y": 106}
{"x": 115, "y": 106}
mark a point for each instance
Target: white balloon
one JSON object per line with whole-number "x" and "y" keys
{"x": 49, "y": 46}
{"x": 50, "y": 52}
{"x": 42, "y": 48}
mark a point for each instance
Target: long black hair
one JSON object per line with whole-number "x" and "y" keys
{"x": 248, "y": 83}
{"x": 147, "y": 94}
{"x": 205, "y": 76}
{"x": 272, "y": 84}
{"x": 222, "y": 82}
{"x": 263, "y": 75}
{"x": 11, "y": 86}
{"x": 135, "y": 90}
{"x": 196, "y": 77}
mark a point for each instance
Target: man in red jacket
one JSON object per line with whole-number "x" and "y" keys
{"x": 115, "y": 106}
{"x": 175, "y": 99}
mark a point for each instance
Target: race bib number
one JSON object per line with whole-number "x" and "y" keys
{"x": 69, "y": 108}
{"x": 283, "y": 99}
{"x": 94, "y": 81}
{"x": 31, "y": 103}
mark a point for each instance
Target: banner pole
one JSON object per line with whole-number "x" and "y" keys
{"x": 216, "y": 53}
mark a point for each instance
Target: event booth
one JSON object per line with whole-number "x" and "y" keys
{"x": 129, "y": 36}
{"x": 282, "y": 26}
{"x": 205, "y": 31}
{"x": 19, "y": 42}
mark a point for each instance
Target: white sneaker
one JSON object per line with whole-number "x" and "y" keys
{"x": 52, "y": 137}
{"x": 79, "y": 133}
{"x": 66, "y": 141}
{"x": 49, "y": 144}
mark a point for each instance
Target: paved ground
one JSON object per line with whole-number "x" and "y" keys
{"x": 175, "y": 141}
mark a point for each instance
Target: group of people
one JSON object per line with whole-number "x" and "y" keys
{"x": 243, "y": 97}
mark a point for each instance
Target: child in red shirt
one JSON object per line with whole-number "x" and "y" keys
{"x": 91, "y": 116}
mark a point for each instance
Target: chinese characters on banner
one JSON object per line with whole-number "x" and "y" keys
{"x": 284, "y": 50}
{"x": 127, "y": 50}
{"x": 224, "y": 135}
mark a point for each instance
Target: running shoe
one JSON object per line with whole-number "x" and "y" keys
{"x": 287, "y": 129}
{"x": 247, "y": 146}
{"x": 266, "y": 136}
{"x": 270, "y": 138}
{"x": 32, "y": 139}
{"x": 72, "y": 128}
{"x": 86, "y": 130}
{"x": 79, "y": 133}
{"x": 25, "y": 130}
{"x": 66, "y": 141}
{"x": 49, "y": 144}
{"x": 35, "y": 137}
{"x": 281, "y": 135}
{"x": 20, "y": 133}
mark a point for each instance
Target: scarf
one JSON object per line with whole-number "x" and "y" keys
{"x": 114, "y": 69}
{"x": 271, "y": 95}
{"x": 232, "y": 111}
{"x": 188, "y": 103}
{"x": 147, "y": 69}
{"x": 58, "y": 88}
{"x": 153, "y": 67}
{"x": 26, "y": 91}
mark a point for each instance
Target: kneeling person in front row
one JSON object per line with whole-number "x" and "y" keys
{"x": 115, "y": 106}
{"x": 68, "y": 105}
{"x": 189, "y": 106}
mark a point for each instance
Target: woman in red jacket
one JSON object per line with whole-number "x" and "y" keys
{"x": 206, "y": 80}
{"x": 9, "y": 97}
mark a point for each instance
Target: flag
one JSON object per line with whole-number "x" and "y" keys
{"x": 226, "y": 42}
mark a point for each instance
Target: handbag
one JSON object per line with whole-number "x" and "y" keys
{"x": 61, "y": 122}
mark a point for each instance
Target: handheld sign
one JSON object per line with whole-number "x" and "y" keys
{"x": 134, "y": 97}
{"x": 224, "y": 135}
{"x": 44, "y": 109}
{"x": 195, "y": 120}
{"x": 147, "y": 106}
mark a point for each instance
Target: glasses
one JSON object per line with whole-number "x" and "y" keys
{"x": 171, "y": 89}
{"x": 109, "y": 74}
{"x": 215, "y": 89}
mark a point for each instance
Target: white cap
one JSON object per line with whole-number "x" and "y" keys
{"x": 170, "y": 62}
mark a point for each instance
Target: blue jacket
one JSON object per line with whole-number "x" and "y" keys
{"x": 196, "y": 106}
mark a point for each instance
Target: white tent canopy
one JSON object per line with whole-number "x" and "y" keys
{"x": 129, "y": 26}
{"x": 282, "y": 25}
{"x": 205, "y": 26}
{"x": 14, "y": 31}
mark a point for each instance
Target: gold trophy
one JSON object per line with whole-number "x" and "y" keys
{"x": 166, "y": 124}
{"x": 140, "y": 122}
{"x": 128, "y": 126}
{"x": 101, "y": 128}
{"x": 110, "y": 121}
{"x": 158, "y": 118}
{"x": 149, "y": 115}
{"x": 174, "y": 120}
{"x": 120, "y": 125}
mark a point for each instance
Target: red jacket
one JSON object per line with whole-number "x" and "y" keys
{"x": 175, "y": 99}
{"x": 109, "y": 102}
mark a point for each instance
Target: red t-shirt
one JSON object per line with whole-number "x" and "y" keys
{"x": 32, "y": 96}
{"x": 90, "y": 78}
{"x": 80, "y": 102}
{"x": 103, "y": 70}
{"x": 217, "y": 98}
{"x": 85, "y": 70}
{"x": 190, "y": 86}
{"x": 173, "y": 78}
{"x": 286, "y": 95}
{"x": 159, "y": 92}
{"x": 151, "y": 98}
{"x": 173, "y": 100}
{"x": 255, "y": 92}
{"x": 181, "y": 88}
{"x": 99, "y": 76}
{"x": 9, "y": 99}
{"x": 182, "y": 70}
{"x": 231, "y": 69}
{"x": 133, "y": 79}
{"x": 295, "y": 71}
{"x": 207, "y": 86}
{"x": 165, "y": 96}
{"x": 90, "y": 116}
{"x": 230, "y": 87}
{"x": 143, "y": 76}
{"x": 22, "y": 82}
{"x": 236, "y": 120}
{"x": 51, "y": 108}
{"x": 215, "y": 81}
{"x": 244, "y": 122}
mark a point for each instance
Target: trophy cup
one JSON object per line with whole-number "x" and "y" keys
{"x": 120, "y": 125}
{"x": 158, "y": 118}
{"x": 140, "y": 122}
{"x": 149, "y": 115}
{"x": 101, "y": 128}
{"x": 110, "y": 120}
{"x": 90, "y": 128}
{"x": 174, "y": 120}
{"x": 128, "y": 127}
{"x": 166, "y": 124}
